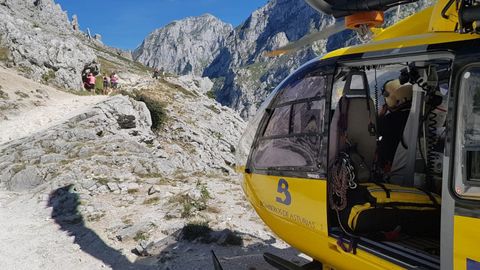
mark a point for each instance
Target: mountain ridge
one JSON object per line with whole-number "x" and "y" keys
{"x": 202, "y": 37}
{"x": 243, "y": 77}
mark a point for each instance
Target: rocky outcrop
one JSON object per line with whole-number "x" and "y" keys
{"x": 94, "y": 144}
{"x": 40, "y": 41}
{"x": 184, "y": 47}
{"x": 114, "y": 141}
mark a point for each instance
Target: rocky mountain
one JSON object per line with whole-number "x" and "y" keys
{"x": 37, "y": 38}
{"x": 187, "y": 46}
{"x": 243, "y": 76}
{"x": 241, "y": 72}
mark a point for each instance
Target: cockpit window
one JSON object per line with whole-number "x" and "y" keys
{"x": 309, "y": 87}
{"x": 308, "y": 117}
{"x": 293, "y": 138}
{"x": 277, "y": 125}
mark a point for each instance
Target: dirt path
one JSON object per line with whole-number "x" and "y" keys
{"x": 28, "y": 107}
{"x": 32, "y": 240}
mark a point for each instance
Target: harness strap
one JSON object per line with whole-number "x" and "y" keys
{"x": 348, "y": 247}
{"x": 431, "y": 197}
{"x": 387, "y": 191}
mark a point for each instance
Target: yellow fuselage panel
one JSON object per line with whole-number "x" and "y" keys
{"x": 303, "y": 223}
{"x": 426, "y": 27}
{"x": 466, "y": 244}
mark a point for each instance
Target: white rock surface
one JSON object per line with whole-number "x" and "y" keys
{"x": 184, "y": 47}
{"x": 41, "y": 42}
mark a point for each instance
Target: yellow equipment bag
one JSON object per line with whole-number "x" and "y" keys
{"x": 374, "y": 208}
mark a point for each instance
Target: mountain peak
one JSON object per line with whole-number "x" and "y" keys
{"x": 185, "y": 46}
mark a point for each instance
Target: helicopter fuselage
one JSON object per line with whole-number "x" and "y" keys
{"x": 293, "y": 199}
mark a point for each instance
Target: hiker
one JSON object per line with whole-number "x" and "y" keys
{"x": 106, "y": 84}
{"x": 114, "y": 80}
{"x": 155, "y": 73}
{"x": 90, "y": 83}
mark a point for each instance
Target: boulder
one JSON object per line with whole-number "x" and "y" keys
{"x": 25, "y": 179}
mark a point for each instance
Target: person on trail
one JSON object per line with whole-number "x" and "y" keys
{"x": 156, "y": 72}
{"x": 90, "y": 83}
{"x": 106, "y": 84}
{"x": 114, "y": 80}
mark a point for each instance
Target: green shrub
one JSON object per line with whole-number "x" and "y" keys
{"x": 211, "y": 94}
{"x": 213, "y": 109}
{"x": 154, "y": 200}
{"x": 4, "y": 54}
{"x": 98, "y": 84}
{"x": 193, "y": 231}
{"x": 48, "y": 76}
{"x": 141, "y": 236}
{"x": 156, "y": 108}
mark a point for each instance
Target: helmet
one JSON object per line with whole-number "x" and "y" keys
{"x": 396, "y": 94}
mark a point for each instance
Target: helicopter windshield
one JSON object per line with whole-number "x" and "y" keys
{"x": 246, "y": 141}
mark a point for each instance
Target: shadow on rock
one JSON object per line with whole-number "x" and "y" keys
{"x": 65, "y": 202}
{"x": 188, "y": 248}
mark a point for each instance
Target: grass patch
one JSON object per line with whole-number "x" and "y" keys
{"x": 156, "y": 107}
{"x": 133, "y": 191}
{"x": 65, "y": 161}
{"x": 19, "y": 167}
{"x": 102, "y": 181}
{"x": 213, "y": 210}
{"x": 190, "y": 205}
{"x": 204, "y": 193}
{"x": 98, "y": 84}
{"x": 213, "y": 108}
{"x": 185, "y": 91}
{"x": 3, "y": 95}
{"x": 21, "y": 94}
{"x": 141, "y": 236}
{"x": 4, "y": 54}
{"x": 169, "y": 217}
{"x": 106, "y": 66}
{"x": 178, "y": 88}
{"x": 76, "y": 92}
{"x": 150, "y": 175}
{"x": 154, "y": 200}
{"x": 127, "y": 220}
{"x": 217, "y": 135}
{"x": 95, "y": 217}
{"x": 25, "y": 69}
{"x": 48, "y": 76}
{"x": 211, "y": 94}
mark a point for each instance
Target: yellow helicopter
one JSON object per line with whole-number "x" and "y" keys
{"x": 369, "y": 156}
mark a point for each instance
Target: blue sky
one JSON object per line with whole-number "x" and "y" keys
{"x": 124, "y": 23}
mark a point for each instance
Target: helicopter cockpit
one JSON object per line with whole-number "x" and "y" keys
{"x": 376, "y": 131}
{"x": 368, "y": 157}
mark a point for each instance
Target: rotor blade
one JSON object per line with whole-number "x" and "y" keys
{"x": 326, "y": 32}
